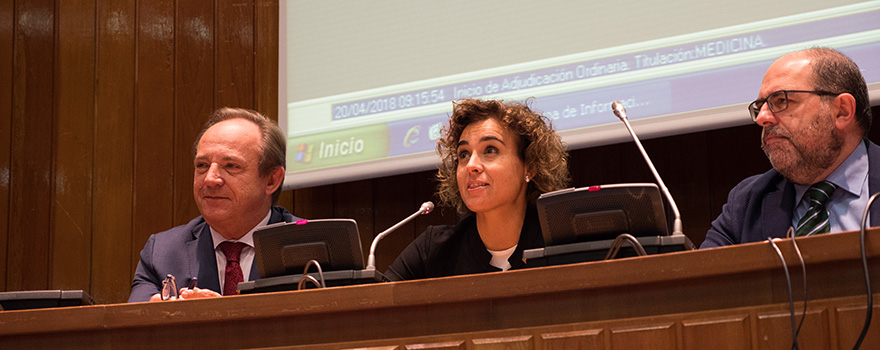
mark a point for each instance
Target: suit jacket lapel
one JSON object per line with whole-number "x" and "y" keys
{"x": 255, "y": 271}
{"x": 206, "y": 261}
{"x": 778, "y": 206}
{"x": 873, "y": 180}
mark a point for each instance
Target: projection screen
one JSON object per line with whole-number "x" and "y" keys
{"x": 366, "y": 86}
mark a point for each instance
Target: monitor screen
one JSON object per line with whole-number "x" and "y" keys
{"x": 285, "y": 248}
{"x": 603, "y": 212}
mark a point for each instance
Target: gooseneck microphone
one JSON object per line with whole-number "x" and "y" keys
{"x": 620, "y": 112}
{"x": 371, "y": 260}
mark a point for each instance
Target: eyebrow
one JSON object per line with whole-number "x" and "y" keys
{"x": 483, "y": 139}
{"x": 224, "y": 158}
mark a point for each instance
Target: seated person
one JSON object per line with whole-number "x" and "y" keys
{"x": 239, "y": 160}
{"x": 497, "y": 158}
{"x": 813, "y": 107}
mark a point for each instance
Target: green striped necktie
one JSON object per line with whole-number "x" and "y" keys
{"x": 815, "y": 220}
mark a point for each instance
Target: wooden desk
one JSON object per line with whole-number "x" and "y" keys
{"x": 734, "y": 295}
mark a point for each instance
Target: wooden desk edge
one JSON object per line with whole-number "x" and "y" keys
{"x": 671, "y": 267}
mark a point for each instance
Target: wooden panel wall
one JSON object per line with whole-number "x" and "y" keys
{"x": 6, "y": 59}
{"x": 100, "y": 102}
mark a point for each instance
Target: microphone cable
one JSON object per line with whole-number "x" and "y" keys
{"x": 869, "y": 311}
{"x": 804, "y": 270}
{"x": 620, "y": 240}
{"x": 794, "y": 342}
{"x": 309, "y": 278}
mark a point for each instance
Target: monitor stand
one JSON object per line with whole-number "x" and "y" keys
{"x": 40, "y": 299}
{"x": 597, "y": 250}
{"x": 331, "y": 279}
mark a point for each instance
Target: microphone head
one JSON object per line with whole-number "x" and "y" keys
{"x": 426, "y": 207}
{"x": 619, "y": 110}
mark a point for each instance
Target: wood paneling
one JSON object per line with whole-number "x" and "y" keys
{"x": 72, "y": 223}
{"x": 154, "y": 118}
{"x": 703, "y": 334}
{"x": 357, "y": 197}
{"x": 851, "y": 320}
{"x": 393, "y": 200}
{"x": 314, "y": 203}
{"x": 233, "y": 53}
{"x": 523, "y": 342}
{"x": 99, "y": 105}
{"x": 449, "y": 345}
{"x": 266, "y": 58}
{"x": 114, "y": 150}
{"x": 590, "y": 339}
{"x": 7, "y": 24}
{"x": 775, "y": 330}
{"x": 30, "y": 179}
{"x": 660, "y": 336}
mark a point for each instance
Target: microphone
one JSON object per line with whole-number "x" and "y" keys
{"x": 620, "y": 112}
{"x": 426, "y": 208}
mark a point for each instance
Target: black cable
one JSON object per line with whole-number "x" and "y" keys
{"x": 794, "y": 342}
{"x": 870, "y": 308}
{"x": 620, "y": 240}
{"x": 804, "y": 270}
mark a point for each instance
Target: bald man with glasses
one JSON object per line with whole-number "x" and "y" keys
{"x": 814, "y": 110}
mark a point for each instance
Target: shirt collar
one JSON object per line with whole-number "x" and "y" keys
{"x": 850, "y": 176}
{"x": 248, "y": 238}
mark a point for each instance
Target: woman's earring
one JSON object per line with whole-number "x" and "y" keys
{"x": 527, "y": 178}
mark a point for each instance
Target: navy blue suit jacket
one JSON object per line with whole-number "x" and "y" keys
{"x": 762, "y": 206}
{"x": 185, "y": 251}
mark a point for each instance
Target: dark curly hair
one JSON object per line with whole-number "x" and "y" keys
{"x": 540, "y": 147}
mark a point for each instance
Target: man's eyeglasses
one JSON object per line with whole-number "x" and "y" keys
{"x": 778, "y": 101}
{"x": 169, "y": 287}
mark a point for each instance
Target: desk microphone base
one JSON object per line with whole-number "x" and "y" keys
{"x": 39, "y": 299}
{"x": 331, "y": 279}
{"x": 597, "y": 250}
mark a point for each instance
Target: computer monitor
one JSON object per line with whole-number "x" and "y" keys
{"x": 40, "y": 299}
{"x": 603, "y": 212}
{"x": 285, "y": 248}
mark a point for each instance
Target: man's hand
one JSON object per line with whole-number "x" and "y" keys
{"x": 186, "y": 293}
{"x": 197, "y": 293}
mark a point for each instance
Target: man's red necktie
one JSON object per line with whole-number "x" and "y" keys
{"x": 232, "y": 250}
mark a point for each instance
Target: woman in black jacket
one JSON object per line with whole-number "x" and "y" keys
{"x": 497, "y": 158}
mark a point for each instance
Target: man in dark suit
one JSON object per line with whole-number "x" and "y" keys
{"x": 814, "y": 109}
{"x": 239, "y": 160}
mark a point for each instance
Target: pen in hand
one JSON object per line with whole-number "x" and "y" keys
{"x": 193, "y": 282}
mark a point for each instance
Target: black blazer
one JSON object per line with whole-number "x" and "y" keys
{"x": 458, "y": 250}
